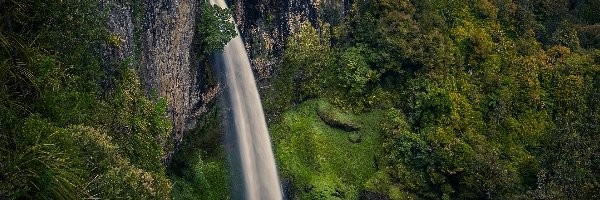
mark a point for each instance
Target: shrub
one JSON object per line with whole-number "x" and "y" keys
{"x": 214, "y": 28}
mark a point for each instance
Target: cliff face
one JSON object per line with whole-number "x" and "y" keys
{"x": 158, "y": 35}
{"x": 168, "y": 64}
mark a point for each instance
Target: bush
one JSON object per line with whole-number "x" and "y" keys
{"x": 215, "y": 29}
{"x": 306, "y": 69}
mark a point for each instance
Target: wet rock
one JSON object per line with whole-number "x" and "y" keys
{"x": 265, "y": 28}
{"x": 335, "y": 118}
{"x": 288, "y": 188}
{"x": 121, "y": 28}
{"x": 332, "y": 121}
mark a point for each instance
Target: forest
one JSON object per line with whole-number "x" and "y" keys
{"x": 453, "y": 100}
{"x": 371, "y": 99}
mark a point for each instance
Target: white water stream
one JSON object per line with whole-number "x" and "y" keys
{"x": 247, "y": 125}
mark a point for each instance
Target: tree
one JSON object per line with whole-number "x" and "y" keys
{"x": 215, "y": 28}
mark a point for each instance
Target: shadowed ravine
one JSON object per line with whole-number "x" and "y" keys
{"x": 252, "y": 155}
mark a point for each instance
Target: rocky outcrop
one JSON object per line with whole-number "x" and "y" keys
{"x": 336, "y": 118}
{"x": 157, "y": 38}
{"x": 266, "y": 25}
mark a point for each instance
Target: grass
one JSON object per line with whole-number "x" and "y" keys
{"x": 322, "y": 161}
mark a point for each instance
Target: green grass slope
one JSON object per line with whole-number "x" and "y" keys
{"x": 325, "y": 162}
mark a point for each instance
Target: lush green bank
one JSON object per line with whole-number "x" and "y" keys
{"x": 322, "y": 160}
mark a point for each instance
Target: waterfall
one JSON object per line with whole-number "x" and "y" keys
{"x": 253, "y": 164}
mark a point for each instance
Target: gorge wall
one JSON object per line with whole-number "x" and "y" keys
{"x": 265, "y": 27}
{"x": 156, "y": 37}
{"x": 168, "y": 63}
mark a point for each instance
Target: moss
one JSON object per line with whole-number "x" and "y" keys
{"x": 204, "y": 179}
{"x": 321, "y": 160}
{"x": 114, "y": 40}
{"x": 355, "y": 137}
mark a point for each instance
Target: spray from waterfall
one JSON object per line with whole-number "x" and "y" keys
{"x": 253, "y": 164}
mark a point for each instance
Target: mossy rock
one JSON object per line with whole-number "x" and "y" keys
{"x": 335, "y": 118}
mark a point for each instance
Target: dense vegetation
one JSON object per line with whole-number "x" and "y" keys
{"x": 477, "y": 99}
{"x": 69, "y": 129}
{"x": 61, "y": 138}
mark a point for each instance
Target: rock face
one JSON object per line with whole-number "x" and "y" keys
{"x": 168, "y": 64}
{"x": 158, "y": 36}
{"x": 120, "y": 24}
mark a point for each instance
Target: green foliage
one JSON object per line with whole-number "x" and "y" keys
{"x": 355, "y": 73}
{"x": 204, "y": 180}
{"x": 199, "y": 169}
{"x": 61, "y": 139}
{"x": 565, "y": 35}
{"x": 322, "y": 161}
{"x": 73, "y": 162}
{"x": 407, "y": 155}
{"x": 483, "y": 99}
{"x": 138, "y": 124}
{"x": 38, "y": 167}
{"x": 215, "y": 28}
{"x": 307, "y": 60}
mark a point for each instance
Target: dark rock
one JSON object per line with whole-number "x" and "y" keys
{"x": 265, "y": 27}
{"x": 288, "y": 188}
{"x": 168, "y": 63}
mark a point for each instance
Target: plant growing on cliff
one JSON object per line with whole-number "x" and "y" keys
{"x": 215, "y": 28}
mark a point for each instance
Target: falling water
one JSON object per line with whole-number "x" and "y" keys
{"x": 253, "y": 158}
